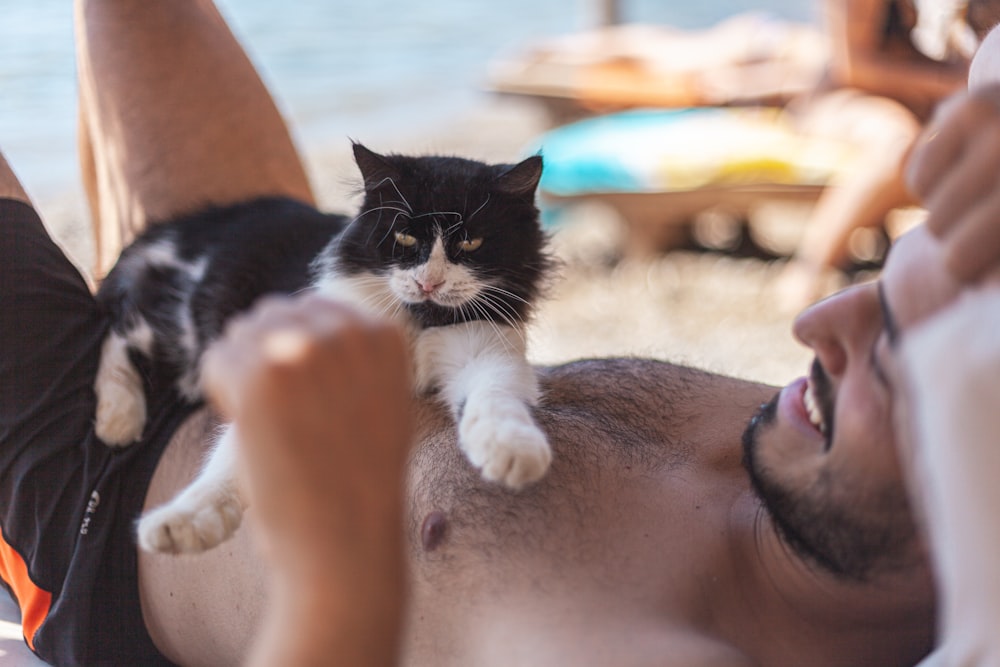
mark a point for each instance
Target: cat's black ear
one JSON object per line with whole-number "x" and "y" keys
{"x": 375, "y": 169}
{"x": 521, "y": 180}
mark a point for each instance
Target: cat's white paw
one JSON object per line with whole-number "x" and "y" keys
{"x": 182, "y": 526}
{"x": 504, "y": 443}
{"x": 121, "y": 411}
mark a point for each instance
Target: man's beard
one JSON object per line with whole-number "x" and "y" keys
{"x": 848, "y": 528}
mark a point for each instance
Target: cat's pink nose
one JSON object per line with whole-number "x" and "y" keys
{"x": 429, "y": 286}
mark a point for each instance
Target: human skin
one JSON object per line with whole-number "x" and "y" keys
{"x": 10, "y": 187}
{"x": 861, "y": 59}
{"x": 151, "y": 76}
{"x": 954, "y": 167}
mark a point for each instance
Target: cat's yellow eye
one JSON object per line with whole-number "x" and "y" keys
{"x": 468, "y": 245}
{"x": 406, "y": 240}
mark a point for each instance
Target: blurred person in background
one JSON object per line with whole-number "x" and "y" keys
{"x": 891, "y": 63}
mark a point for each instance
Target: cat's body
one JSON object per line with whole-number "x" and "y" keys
{"x": 450, "y": 248}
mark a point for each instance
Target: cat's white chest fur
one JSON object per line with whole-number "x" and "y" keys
{"x": 478, "y": 367}
{"x": 481, "y": 372}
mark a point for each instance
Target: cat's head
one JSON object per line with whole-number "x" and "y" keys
{"x": 454, "y": 239}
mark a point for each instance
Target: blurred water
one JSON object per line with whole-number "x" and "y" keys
{"x": 338, "y": 68}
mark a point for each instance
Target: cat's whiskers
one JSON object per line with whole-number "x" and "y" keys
{"x": 503, "y": 307}
{"x": 385, "y": 206}
{"x": 455, "y": 226}
{"x": 480, "y": 308}
{"x": 398, "y": 192}
{"x": 510, "y": 318}
{"x": 392, "y": 226}
{"x": 382, "y": 304}
{"x": 507, "y": 293}
{"x": 471, "y": 311}
{"x": 388, "y": 308}
{"x": 367, "y": 280}
{"x": 482, "y": 206}
{"x": 435, "y": 214}
{"x": 487, "y": 296}
{"x": 494, "y": 323}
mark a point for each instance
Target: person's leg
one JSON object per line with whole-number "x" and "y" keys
{"x": 173, "y": 117}
{"x": 883, "y": 131}
{"x": 10, "y": 187}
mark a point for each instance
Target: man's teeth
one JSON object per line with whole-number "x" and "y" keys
{"x": 815, "y": 414}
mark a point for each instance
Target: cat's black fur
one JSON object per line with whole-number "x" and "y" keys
{"x": 275, "y": 245}
{"x": 252, "y": 249}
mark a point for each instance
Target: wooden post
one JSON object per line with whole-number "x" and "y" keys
{"x": 608, "y": 12}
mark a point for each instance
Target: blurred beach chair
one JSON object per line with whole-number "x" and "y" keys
{"x": 686, "y": 121}
{"x": 660, "y": 169}
{"x": 750, "y": 58}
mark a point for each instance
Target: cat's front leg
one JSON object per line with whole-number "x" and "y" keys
{"x": 205, "y": 514}
{"x": 499, "y": 437}
{"x": 483, "y": 376}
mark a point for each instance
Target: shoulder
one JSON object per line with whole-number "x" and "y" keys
{"x": 657, "y": 411}
{"x": 597, "y": 383}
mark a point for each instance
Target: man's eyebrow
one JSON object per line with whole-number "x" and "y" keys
{"x": 887, "y": 320}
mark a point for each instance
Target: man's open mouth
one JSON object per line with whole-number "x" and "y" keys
{"x": 818, "y": 401}
{"x": 813, "y": 410}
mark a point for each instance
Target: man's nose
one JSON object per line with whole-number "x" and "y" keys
{"x": 840, "y": 328}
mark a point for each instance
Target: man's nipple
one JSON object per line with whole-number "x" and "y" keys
{"x": 433, "y": 531}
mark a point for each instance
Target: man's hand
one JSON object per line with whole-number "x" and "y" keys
{"x": 321, "y": 400}
{"x": 955, "y": 170}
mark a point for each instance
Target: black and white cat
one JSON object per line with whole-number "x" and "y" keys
{"x": 450, "y": 248}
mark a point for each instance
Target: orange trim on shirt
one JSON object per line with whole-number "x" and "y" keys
{"x": 33, "y": 601}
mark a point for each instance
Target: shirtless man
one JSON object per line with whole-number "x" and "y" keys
{"x": 647, "y": 543}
